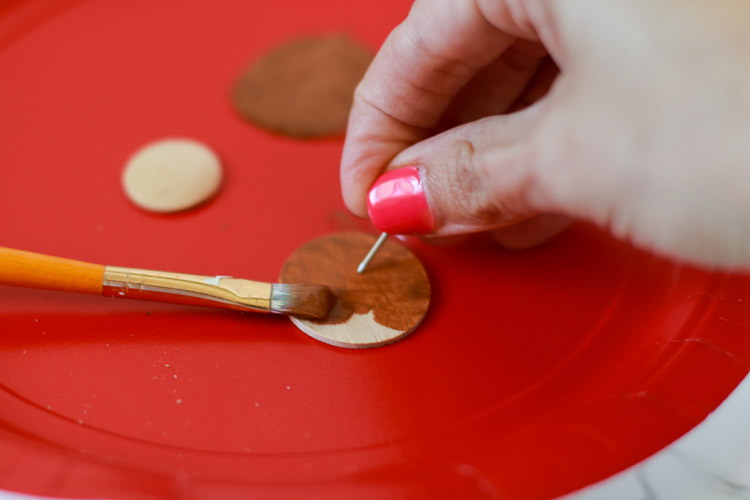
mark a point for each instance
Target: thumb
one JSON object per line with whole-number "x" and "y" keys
{"x": 474, "y": 177}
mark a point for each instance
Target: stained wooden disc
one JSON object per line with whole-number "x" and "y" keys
{"x": 383, "y": 304}
{"x": 303, "y": 88}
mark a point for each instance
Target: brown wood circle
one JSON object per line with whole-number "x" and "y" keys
{"x": 383, "y": 304}
{"x": 304, "y": 88}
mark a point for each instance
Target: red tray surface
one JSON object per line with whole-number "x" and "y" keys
{"x": 533, "y": 374}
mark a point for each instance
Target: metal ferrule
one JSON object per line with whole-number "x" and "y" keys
{"x": 191, "y": 289}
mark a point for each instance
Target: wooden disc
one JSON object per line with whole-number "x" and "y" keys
{"x": 383, "y": 304}
{"x": 304, "y": 88}
{"x": 170, "y": 175}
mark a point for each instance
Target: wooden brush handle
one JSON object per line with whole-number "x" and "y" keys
{"x": 34, "y": 270}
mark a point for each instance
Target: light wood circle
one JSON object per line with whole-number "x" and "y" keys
{"x": 171, "y": 175}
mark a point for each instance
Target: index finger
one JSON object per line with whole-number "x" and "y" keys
{"x": 421, "y": 66}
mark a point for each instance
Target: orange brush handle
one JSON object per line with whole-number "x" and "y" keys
{"x": 33, "y": 270}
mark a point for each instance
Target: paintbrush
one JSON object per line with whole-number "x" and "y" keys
{"x": 33, "y": 270}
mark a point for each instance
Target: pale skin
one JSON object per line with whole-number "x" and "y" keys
{"x": 644, "y": 130}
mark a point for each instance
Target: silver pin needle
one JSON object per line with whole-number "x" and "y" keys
{"x": 363, "y": 265}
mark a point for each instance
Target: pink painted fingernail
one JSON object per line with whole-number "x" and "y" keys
{"x": 397, "y": 204}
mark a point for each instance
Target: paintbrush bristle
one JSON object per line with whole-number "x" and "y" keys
{"x": 305, "y": 301}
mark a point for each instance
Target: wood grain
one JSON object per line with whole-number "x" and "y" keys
{"x": 374, "y": 308}
{"x": 33, "y": 270}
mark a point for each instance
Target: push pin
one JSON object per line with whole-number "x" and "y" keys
{"x": 363, "y": 265}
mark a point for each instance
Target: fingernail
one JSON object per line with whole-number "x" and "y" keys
{"x": 397, "y": 204}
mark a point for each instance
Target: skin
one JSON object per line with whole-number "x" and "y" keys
{"x": 632, "y": 114}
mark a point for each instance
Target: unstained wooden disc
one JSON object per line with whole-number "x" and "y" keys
{"x": 170, "y": 175}
{"x": 383, "y": 304}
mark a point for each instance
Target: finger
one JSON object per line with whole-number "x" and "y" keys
{"x": 475, "y": 177}
{"x": 422, "y": 65}
{"x": 498, "y": 86}
{"x": 445, "y": 241}
{"x": 531, "y": 232}
{"x": 538, "y": 85}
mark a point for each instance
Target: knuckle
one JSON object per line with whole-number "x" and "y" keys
{"x": 467, "y": 185}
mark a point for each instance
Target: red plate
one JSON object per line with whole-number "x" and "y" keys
{"x": 533, "y": 374}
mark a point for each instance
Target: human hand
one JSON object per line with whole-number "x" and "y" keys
{"x": 643, "y": 131}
